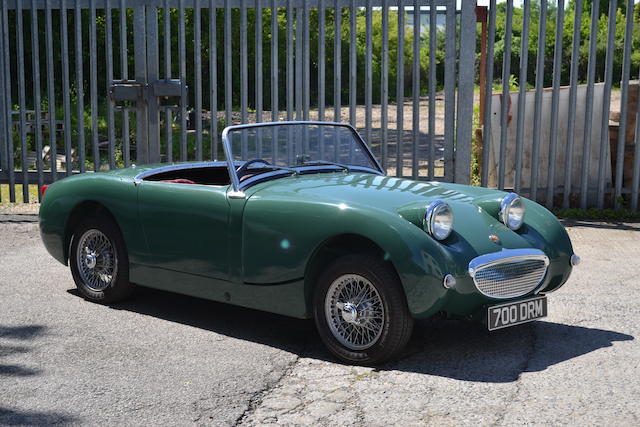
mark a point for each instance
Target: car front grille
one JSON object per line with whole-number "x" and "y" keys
{"x": 510, "y": 273}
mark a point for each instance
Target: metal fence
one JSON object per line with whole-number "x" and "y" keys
{"x": 99, "y": 84}
{"x": 111, "y": 82}
{"x": 561, "y": 149}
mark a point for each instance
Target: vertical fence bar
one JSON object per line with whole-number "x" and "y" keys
{"x": 636, "y": 164}
{"x": 140, "y": 66}
{"x": 3, "y": 123}
{"x": 153, "y": 75}
{"x": 522, "y": 93}
{"x": 588, "y": 117}
{"x": 488, "y": 96}
{"x": 537, "y": 111}
{"x": 290, "y": 72}
{"x": 400, "y": 93}
{"x": 228, "y": 65}
{"x": 8, "y": 103}
{"x": 432, "y": 85}
{"x": 244, "y": 68}
{"x": 416, "y": 89}
{"x": 384, "y": 87}
{"x": 22, "y": 103}
{"x": 353, "y": 62}
{"x": 79, "y": 87}
{"x": 213, "y": 78}
{"x": 124, "y": 71}
{"x": 465, "y": 93}
{"x": 306, "y": 66}
{"x": 337, "y": 59}
{"x": 274, "y": 65}
{"x": 506, "y": 98}
{"x": 321, "y": 58}
{"x": 449, "y": 89}
{"x": 624, "y": 99}
{"x": 258, "y": 61}
{"x": 93, "y": 84}
{"x": 606, "y": 105}
{"x": 168, "y": 127}
{"x": 197, "y": 51}
{"x": 82, "y": 152}
{"x": 35, "y": 65}
{"x": 368, "y": 80}
{"x": 298, "y": 62}
{"x": 110, "y": 104}
{"x": 66, "y": 101}
{"x": 182, "y": 57}
{"x": 244, "y": 73}
{"x": 51, "y": 94}
{"x": 573, "y": 93}
{"x": 555, "y": 100}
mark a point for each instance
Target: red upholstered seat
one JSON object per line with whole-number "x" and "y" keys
{"x": 179, "y": 181}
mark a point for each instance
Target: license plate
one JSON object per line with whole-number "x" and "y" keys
{"x": 515, "y": 313}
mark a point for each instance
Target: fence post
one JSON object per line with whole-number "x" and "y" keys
{"x": 153, "y": 75}
{"x": 465, "y": 92}
{"x": 140, "y": 65}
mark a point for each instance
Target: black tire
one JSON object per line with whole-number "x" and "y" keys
{"x": 118, "y": 288}
{"x": 397, "y": 323}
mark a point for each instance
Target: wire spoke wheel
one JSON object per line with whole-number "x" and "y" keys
{"x": 97, "y": 260}
{"x": 354, "y": 311}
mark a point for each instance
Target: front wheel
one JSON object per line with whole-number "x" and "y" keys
{"x": 99, "y": 261}
{"x": 360, "y": 310}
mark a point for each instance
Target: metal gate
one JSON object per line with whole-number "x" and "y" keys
{"x": 89, "y": 85}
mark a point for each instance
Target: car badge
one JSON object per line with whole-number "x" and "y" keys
{"x": 495, "y": 239}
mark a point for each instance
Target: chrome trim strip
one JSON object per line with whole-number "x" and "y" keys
{"x": 487, "y": 260}
{"x": 235, "y": 181}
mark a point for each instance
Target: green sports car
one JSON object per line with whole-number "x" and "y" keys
{"x": 301, "y": 220}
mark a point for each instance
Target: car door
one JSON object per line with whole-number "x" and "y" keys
{"x": 186, "y": 227}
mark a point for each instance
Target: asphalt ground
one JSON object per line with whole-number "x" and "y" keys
{"x": 166, "y": 359}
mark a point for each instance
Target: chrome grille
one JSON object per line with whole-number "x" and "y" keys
{"x": 509, "y": 273}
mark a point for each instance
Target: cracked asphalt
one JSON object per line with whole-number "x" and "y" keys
{"x": 167, "y": 359}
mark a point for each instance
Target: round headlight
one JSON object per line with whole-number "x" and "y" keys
{"x": 438, "y": 220}
{"x": 512, "y": 211}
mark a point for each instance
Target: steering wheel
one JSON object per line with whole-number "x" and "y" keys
{"x": 245, "y": 167}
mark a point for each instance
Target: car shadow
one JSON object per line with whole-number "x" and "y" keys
{"x": 448, "y": 348}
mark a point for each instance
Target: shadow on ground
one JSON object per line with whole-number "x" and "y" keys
{"x": 453, "y": 349}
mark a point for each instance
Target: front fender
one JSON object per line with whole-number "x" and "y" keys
{"x": 280, "y": 237}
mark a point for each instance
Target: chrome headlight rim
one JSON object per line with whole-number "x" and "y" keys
{"x": 433, "y": 210}
{"x": 505, "y": 207}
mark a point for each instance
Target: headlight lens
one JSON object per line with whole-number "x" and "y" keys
{"x": 438, "y": 220}
{"x": 512, "y": 211}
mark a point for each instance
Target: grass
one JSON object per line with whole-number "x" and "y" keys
{"x": 4, "y": 191}
{"x": 599, "y": 214}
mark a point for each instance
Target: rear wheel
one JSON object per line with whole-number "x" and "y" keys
{"x": 360, "y": 310}
{"x": 99, "y": 261}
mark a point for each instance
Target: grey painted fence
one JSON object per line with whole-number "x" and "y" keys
{"x": 568, "y": 158}
{"x": 57, "y": 119}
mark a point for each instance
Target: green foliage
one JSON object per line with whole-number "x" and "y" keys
{"x": 599, "y": 214}
{"x": 567, "y": 42}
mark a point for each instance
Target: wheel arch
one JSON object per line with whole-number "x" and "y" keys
{"x": 333, "y": 248}
{"x": 80, "y": 212}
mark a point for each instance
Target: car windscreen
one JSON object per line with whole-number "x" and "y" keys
{"x": 296, "y": 145}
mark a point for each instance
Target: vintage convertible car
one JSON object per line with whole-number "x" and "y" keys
{"x": 301, "y": 220}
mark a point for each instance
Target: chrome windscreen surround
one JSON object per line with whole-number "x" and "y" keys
{"x": 509, "y": 273}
